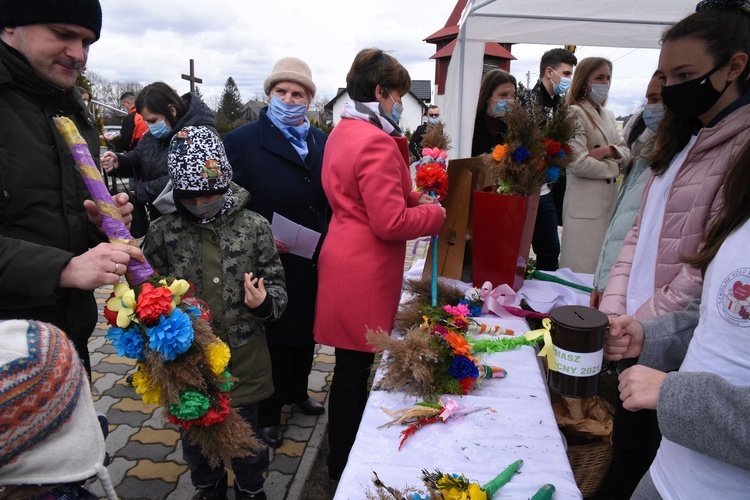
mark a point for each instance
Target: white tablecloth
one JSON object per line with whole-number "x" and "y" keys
{"x": 480, "y": 445}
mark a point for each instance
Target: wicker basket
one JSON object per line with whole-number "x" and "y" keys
{"x": 590, "y": 463}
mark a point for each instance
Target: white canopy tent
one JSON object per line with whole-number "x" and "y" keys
{"x": 604, "y": 23}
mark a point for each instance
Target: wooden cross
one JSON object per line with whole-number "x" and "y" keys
{"x": 191, "y": 77}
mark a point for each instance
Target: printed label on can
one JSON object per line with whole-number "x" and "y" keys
{"x": 578, "y": 364}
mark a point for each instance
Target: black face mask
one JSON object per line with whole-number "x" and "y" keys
{"x": 692, "y": 98}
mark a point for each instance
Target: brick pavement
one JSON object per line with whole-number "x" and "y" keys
{"x": 145, "y": 449}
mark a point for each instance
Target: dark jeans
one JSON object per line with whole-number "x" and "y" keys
{"x": 635, "y": 440}
{"x": 546, "y": 242}
{"x": 248, "y": 470}
{"x": 348, "y": 398}
{"x": 291, "y": 366}
{"x": 558, "y": 194}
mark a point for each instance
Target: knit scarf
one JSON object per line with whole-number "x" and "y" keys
{"x": 371, "y": 112}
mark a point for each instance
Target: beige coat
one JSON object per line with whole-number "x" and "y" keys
{"x": 591, "y": 191}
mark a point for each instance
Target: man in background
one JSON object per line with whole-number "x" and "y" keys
{"x": 555, "y": 76}
{"x": 133, "y": 125}
{"x": 415, "y": 144}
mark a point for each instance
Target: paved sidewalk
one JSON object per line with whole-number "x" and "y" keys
{"x": 145, "y": 449}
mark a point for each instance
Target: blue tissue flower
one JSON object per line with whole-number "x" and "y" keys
{"x": 463, "y": 367}
{"x": 172, "y": 336}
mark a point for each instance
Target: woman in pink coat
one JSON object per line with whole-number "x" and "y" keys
{"x": 366, "y": 179}
{"x": 704, "y": 69}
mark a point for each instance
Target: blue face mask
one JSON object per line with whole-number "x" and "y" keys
{"x": 501, "y": 108}
{"x": 652, "y": 115}
{"x": 398, "y": 108}
{"x": 563, "y": 86}
{"x": 432, "y": 120}
{"x": 289, "y": 114}
{"x": 159, "y": 129}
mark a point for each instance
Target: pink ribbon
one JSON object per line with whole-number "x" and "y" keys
{"x": 498, "y": 301}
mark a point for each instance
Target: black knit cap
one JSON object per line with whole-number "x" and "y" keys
{"x": 86, "y": 13}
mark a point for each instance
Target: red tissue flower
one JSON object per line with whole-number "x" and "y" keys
{"x": 215, "y": 414}
{"x": 110, "y": 315}
{"x": 433, "y": 177}
{"x": 552, "y": 147}
{"x": 153, "y": 302}
{"x": 467, "y": 385}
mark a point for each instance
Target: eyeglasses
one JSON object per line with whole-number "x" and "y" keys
{"x": 434, "y": 115}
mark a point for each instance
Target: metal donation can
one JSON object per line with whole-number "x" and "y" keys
{"x": 577, "y": 338}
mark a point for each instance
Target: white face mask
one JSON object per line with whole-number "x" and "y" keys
{"x": 208, "y": 210}
{"x": 598, "y": 93}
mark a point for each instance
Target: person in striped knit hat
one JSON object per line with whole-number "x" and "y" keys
{"x": 50, "y": 437}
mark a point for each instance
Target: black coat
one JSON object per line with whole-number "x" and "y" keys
{"x": 147, "y": 163}
{"x": 42, "y": 220}
{"x": 266, "y": 164}
{"x": 484, "y": 141}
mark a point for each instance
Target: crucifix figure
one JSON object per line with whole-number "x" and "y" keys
{"x": 191, "y": 77}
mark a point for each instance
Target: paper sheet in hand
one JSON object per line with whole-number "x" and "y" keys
{"x": 299, "y": 239}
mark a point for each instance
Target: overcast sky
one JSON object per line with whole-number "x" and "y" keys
{"x": 147, "y": 41}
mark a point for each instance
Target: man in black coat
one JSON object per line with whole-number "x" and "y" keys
{"x": 52, "y": 255}
{"x": 555, "y": 72}
{"x": 415, "y": 144}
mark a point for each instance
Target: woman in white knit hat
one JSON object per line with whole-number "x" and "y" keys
{"x": 278, "y": 158}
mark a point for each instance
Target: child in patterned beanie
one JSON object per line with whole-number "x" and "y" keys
{"x": 229, "y": 254}
{"x": 50, "y": 437}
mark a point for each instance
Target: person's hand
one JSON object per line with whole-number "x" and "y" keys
{"x": 599, "y": 152}
{"x": 426, "y": 199}
{"x": 109, "y": 161}
{"x": 124, "y": 207}
{"x": 102, "y": 265}
{"x": 255, "y": 291}
{"x": 595, "y": 298}
{"x": 639, "y": 387}
{"x": 624, "y": 339}
{"x": 445, "y": 213}
{"x": 281, "y": 247}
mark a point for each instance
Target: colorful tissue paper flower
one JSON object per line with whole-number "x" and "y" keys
{"x": 109, "y": 314}
{"x": 553, "y": 173}
{"x": 461, "y": 323}
{"x": 520, "y": 154}
{"x": 178, "y": 289}
{"x": 475, "y": 308}
{"x": 216, "y": 414}
{"x": 552, "y": 147}
{"x": 150, "y": 392}
{"x": 172, "y": 336}
{"x": 226, "y": 385}
{"x": 192, "y": 405}
{"x": 218, "y": 357}
{"x": 459, "y": 345}
{"x": 457, "y": 310}
{"x": 440, "y": 330}
{"x": 123, "y": 303}
{"x": 467, "y": 384}
{"x": 128, "y": 342}
{"x": 153, "y": 302}
{"x": 499, "y": 152}
{"x": 433, "y": 177}
{"x": 462, "y": 367}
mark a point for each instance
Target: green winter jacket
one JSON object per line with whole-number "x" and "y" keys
{"x": 42, "y": 220}
{"x": 215, "y": 257}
